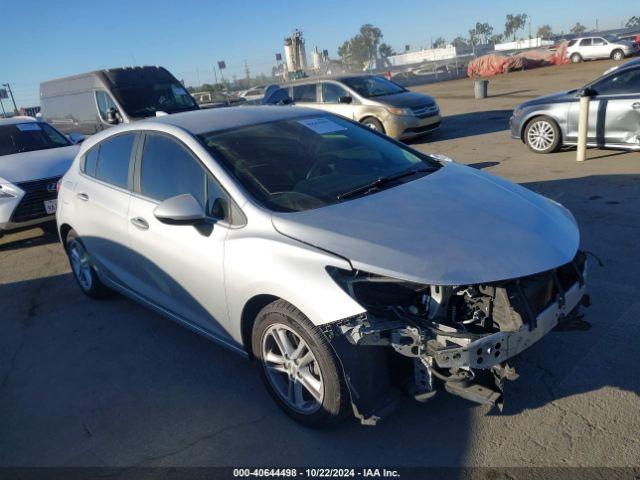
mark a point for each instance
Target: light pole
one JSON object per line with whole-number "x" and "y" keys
{"x": 4, "y": 114}
{"x": 15, "y": 108}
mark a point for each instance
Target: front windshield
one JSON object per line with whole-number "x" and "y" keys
{"x": 370, "y": 86}
{"x": 146, "y": 99}
{"x": 304, "y": 163}
{"x": 29, "y": 136}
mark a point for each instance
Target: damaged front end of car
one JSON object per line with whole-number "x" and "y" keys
{"x": 423, "y": 338}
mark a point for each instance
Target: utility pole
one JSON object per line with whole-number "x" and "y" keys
{"x": 4, "y": 114}
{"x": 215, "y": 75}
{"x": 246, "y": 70}
{"x": 15, "y": 108}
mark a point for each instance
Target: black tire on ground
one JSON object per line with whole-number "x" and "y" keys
{"x": 617, "y": 55}
{"x": 576, "y": 58}
{"x": 336, "y": 401}
{"x": 373, "y": 124}
{"x": 542, "y": 135}
{"x": 50, "y": 228}
{"x": 86, "y": 276}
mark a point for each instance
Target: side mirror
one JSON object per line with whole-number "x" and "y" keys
{"x": 180, "y": 210}
{"x": 112, "y": 116}
{"x": 586, "y": 92}
{"x": 345, "y": 99}
{"x": 76, "y": 138}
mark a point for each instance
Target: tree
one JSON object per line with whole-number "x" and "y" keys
{"x": 513, "y": 24}
{"x": 439, "y": 43}
{"x": 497, "y": 38}
{"x": 362, "y": 48}
{"x": 633, "y": 22}
{"x": 578, "y": 29}
{"x": 545, "y": 32}
{"x": 459, "y": 42}
{"x": 385, "y": 50}
{"x": 481, "y": 33}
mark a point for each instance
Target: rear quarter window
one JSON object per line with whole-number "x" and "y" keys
{"x": 113, "y": 160}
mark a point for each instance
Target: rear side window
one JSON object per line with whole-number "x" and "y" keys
{"x": 113, "y": 160}
{"x": 304, "y": 93}
{"x": 91, "y": 161}
{"x": 571, "y": 43}
{"x": 168, "y": 169}
{"x": 586, "y": 42}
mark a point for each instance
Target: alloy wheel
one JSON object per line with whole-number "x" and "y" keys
{"x": 80, "y": 265}
{"x": 541, "y": 135}
{"x": 292, "y": 369}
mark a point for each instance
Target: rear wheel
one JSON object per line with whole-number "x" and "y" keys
{"x": 576, "y": 58}
{"x": 542, "y": 135}
{"x": 82, "y": 269}
{"x": 373, "y": 124}
{"x": 617, "y": 55}
{"x": 298, "y": 366}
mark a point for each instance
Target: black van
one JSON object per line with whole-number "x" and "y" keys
{"x": 90, "y": 102}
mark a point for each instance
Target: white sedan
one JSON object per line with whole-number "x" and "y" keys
{"x": 33, "y": 157}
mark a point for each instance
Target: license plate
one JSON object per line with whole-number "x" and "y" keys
{"x": 50, "y": 206}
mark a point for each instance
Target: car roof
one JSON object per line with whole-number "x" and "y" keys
{"x": 215, "y": 119}
{"x": 322, "y": 78}
{"x": 17, "y": 119}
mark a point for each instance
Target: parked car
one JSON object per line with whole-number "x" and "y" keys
{"x": 90, "y": 102}
{"x": 33, "y": 157}
{"x": 376, "y": 102}
{"x": 546, "y": 123}
{"x": 216, "y": 99}
{"x": 344, "y": 263}
{"x": 606, "y": 46}
{"x": 253, "y": 94}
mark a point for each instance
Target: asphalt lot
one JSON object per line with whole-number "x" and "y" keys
{"x": 108, "y": 383}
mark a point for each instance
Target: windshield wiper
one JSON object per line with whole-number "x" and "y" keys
{"x": 381, "y": 181}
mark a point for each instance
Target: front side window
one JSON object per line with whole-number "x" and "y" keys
{"x": 624, "y": 82}
{"x": 304, "y": 93}
{"x": 105, "y": 103}
{"x": 598, "y": 42}
{"x": 168, "y": 170}
{"x": 304, "y": 163}
{"x": 331, "y": 92}
{"x": 30, "y": 136}
{"x": 113, "y": 160}
{"x": 146, "y": 99}
{"x": 371, "y": 86}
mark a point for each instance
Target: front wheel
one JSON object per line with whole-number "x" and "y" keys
{"x": 373, "y": 124}
{"x": 298, "y": 366}
{"x": 617, "y": 55}
{"x": 542, "y": 135}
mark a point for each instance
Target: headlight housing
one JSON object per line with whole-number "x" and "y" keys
{"x": 400, "y": 111}
{"x": 5, "y": 192}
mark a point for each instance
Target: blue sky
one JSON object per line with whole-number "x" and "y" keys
{"x": 44, "y": 39}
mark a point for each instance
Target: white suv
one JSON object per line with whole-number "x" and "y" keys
{"x": 606, "y": 46}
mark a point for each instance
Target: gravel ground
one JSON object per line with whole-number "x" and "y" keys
{"x": 108, "y": 383}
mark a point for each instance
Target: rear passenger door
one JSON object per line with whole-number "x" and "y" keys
{"x": 179, "y": 267}
{"x": 102, "y": 205}
{"x": 586, "y": 48}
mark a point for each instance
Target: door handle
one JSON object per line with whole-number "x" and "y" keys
{"x": 140, "y": 223}
{"x": 82, "y": 196}
{"x": 636, "y": 106}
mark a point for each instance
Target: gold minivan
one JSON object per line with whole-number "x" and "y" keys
{"x": 371, "y": 100}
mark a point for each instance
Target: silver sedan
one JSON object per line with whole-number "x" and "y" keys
{"x": 347, "y": 265}
{"x": 549, "y": 122}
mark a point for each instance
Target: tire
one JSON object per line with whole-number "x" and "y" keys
{"x": 576, "y": 58}
{"x": 542, "y": 135}
{"x": 617, "y": 55}
{"x": 50, "y": 228}
{"x": 373, "y": 124}
{"x": 288, "y": 377}
{"x": 83, "y": 271}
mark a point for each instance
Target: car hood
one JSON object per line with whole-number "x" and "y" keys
{"x": 456, "y": 226}
{"x": 405, "y": 100}
{"x": 558, "y": 97}
{"x": 51, "y": 162}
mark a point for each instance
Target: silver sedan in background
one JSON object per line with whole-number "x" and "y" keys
{"x": 549, "y": 122}
{"x": 348, "y": 265}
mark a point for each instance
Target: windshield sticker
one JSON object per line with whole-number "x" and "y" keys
{"x": 28, "y": 127}
{"x": 321, "y": 125}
